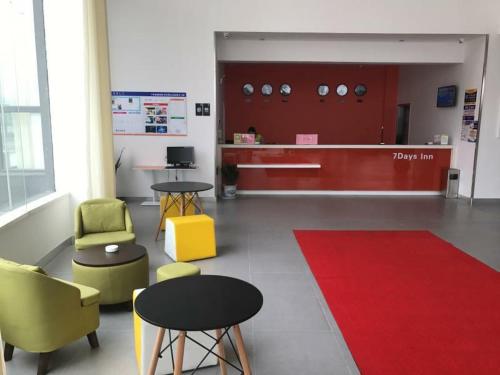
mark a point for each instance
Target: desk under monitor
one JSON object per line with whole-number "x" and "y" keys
{"x": 161, "y": 168}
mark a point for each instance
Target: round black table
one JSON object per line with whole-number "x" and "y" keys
{"x": 200, "y": 303}
{"x": 182, "y": 194}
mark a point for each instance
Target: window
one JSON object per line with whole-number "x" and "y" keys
{"x": 26, "y": 162}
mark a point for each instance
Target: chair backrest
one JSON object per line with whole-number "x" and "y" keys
{"x": 34, "y": 307}
{"x": 101, "y": 215}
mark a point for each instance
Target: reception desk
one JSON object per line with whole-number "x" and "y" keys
{"x": 339, "y": 169}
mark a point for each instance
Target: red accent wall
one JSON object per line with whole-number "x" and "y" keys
{"x": 347, "y": 120}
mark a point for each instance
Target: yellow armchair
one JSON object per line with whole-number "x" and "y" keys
{"x": 40, "y": 314}
{"x": 102, "y": 222}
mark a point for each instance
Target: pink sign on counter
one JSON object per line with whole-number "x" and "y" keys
{"x": 244, "y": 139}
{"x": 306, "y": 139}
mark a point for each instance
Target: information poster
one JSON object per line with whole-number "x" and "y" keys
{"x": 149, "y": 113}
{"x": 469, "y": 123}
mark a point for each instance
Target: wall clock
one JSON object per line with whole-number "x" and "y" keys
{"x": 248, "y": 89}
{"x": 360, "y": 90}
{"x": 342, "y": 90}
{"x": 266, "y": 89}
{"x": 323, "y": 89}
{"x": 285, "y": 89}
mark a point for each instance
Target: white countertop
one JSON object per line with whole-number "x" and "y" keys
{"x": 341, "y": 146}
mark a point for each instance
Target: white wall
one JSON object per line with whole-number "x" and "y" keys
{"x": 164, "y": 58}
{"x": 472, "y": 73}
{"x": 33, "y": 236}
{"x": 341, "y": 50}
{"x": 488, "y": 171}
{"x": 159, "y": 45}
{"x": 418, "y": 86}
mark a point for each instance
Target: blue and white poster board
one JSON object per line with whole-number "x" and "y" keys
{"x": 469, "y": 123}
{"x": 149, "y": 113}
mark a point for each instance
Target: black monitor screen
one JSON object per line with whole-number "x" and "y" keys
{"x": 180, "y": 155}
{"x": 447, "y": 96}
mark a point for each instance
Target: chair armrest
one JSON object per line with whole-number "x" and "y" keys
{"x": 129, "y": 226}
{"x": 88, "y": 295}
{"x": 78, "y": 225}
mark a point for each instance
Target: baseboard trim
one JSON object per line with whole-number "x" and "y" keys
{"x": 209, "y": 199}
{"x": 53, "y": 253}
{"x": 485, "y": 200}
{"x": 133, "y": 199}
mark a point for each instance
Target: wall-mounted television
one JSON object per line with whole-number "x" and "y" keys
{"x": 447, "y": 96}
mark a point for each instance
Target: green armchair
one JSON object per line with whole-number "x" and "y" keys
{"x": 40, "y": 314}
{"x": 102, "y": 222}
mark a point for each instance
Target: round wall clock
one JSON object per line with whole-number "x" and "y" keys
{"x": 360, "y": 90}
{"x": 266, "y": 89}
{"x": 342, "y": 90}
{"x": 323, "y": 89}
{"x": 285, "y": 89}
{"x": 248, "y": 89}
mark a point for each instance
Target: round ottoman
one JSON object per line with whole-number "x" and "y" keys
{"x": 115, "y": 275}
{"x": 173, "y": 270}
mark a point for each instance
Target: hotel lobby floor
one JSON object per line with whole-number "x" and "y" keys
{"x": 295, "y": 332}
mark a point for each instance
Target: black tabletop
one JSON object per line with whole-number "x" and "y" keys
{"x": 182, "y": 187}
{"x": 97, "y": 257}
{"x": 199, "y": 303}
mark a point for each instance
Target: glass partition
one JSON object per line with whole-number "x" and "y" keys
{"x": 26, "y": 163}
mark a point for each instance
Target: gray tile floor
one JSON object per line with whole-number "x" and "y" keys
{"x": 295, "y": 332}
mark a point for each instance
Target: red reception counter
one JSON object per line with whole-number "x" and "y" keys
{"x": 339, "y": 168}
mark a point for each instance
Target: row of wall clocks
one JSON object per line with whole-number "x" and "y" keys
{"x": 286, "y": 89}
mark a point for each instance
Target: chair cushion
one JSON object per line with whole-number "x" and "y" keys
{"x": 173, "y": 270}
{"x": 26, "y": 267}
{"x": 100, "y": 217}
{"x": 88, "y": 295}
{"x": 95, "y": 239}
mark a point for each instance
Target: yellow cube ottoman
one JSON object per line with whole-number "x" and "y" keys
{"x": 173, "y": 210}
{"x": 190, "y": 237}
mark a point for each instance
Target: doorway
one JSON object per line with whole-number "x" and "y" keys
{"x": 403, "y": 124}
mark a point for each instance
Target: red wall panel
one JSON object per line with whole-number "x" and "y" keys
{"x": 369, "y": 169}
{"x": 346, "y": 120}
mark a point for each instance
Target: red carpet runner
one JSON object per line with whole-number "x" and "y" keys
{"x": 408, "y": 302}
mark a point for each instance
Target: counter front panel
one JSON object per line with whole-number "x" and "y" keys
{"x": 351, "y": 169}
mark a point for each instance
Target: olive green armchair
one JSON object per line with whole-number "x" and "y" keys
{"x": 40, "y": 314}
{"x": 102, "y": 222}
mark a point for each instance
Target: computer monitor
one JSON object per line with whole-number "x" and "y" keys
{"x": 180, "y": 156}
